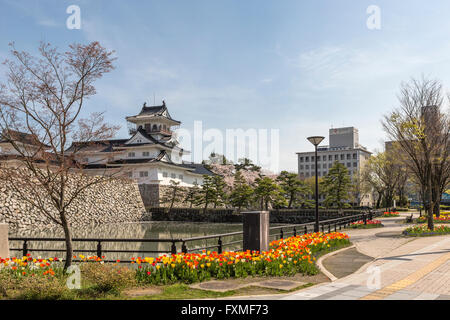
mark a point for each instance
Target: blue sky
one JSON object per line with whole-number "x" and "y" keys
{"x": 298, "y": 66}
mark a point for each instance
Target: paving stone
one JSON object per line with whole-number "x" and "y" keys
{"x": 358, "y": 293}
{"x": 306, "y": 294}
{"x": 389, "y": 234}
{"x": 340, "y": 297}
{"x": 346, "y": 262}
{"x": 426, "y": 296}
{"x": 279, "y": 284}
{"x": 402, "y": 296}
{"x": 334, "y": 293}
{"x": 219, "y": 286}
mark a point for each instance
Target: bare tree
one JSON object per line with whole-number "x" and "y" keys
{"x": 420, "y": 129}
{"x": 383, "y": 173}
{"x": 40, "y": 105}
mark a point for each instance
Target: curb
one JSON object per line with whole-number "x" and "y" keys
{"x": 322, "y": 268}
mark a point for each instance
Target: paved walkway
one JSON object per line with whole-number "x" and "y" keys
{"x": 403, "y": 268}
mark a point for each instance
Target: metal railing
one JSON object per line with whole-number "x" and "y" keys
{"x": 280, "y": 232}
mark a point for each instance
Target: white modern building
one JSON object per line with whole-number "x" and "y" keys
{"x": 343, "y": 147}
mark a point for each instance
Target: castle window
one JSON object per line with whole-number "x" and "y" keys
{"x": 131, "y": 154}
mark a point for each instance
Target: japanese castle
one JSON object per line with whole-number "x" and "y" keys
{"x": 151, "y": 155}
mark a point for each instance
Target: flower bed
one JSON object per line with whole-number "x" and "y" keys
{"x": 441, "y": 219}
{"x": 31, "y": 278}
{"x": 370, "y": 224}
{"x": 28, "y": 266}
{"x": 390, "y": 214}
{"x": 285, "y": 257}
{"x": 423, "y": 231}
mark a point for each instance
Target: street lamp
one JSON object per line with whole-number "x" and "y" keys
{"x": 316, "y": 140}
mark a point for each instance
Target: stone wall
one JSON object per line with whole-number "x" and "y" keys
{"x": 109, "y": 201}
{"x": 149, "y": 194}
{"x": 4, "y": 246}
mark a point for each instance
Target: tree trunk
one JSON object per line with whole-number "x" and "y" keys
{"x": 437, "y": 208}
{"x": 68, "y": 240}
{"x": 430, "y": 205}
{"x": 172, "y": 202}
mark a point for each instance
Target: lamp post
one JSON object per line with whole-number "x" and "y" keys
{"x": 316, "y": 140}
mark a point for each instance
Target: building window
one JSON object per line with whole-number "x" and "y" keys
{"x": 307, "y": 166}
{"x": 180, "y": 176}
{"x": 355, "y": 164}
{"x": 354, "y": 156}
{"x": 307, "y": 175}
{"x": 336, "y": 157}
{"x": 330, "y": 165}
{"x": 306, "y": 159}
{"x": 143, "y": 174}
{"x": 349, "y": 164}
{"x": 145, "y": 154}
{"x": 130, "y": 174}
{"x": 165, "y": 174}
{"x": 342, "y": 156}
{"x": 324, "y": 158}
{"x": 301, "y": 159}
{"x": 318, "y": 166}
{"x": 330, "y": 157}
{"x": 173, "y": 175}
{"x": 348, "y": 156}
{"x": 131, "y": 154}
{"x": 313, "y": 166}
{"x": 312, "y": 158}
{"x": 301, "y": 167}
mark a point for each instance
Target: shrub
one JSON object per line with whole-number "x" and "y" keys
{"x": 107, "y": 278}
{"x": 38, "y": 288}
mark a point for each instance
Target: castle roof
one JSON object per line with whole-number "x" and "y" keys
{"x": 17, "y": 136}
{"x": 153, "y": 112}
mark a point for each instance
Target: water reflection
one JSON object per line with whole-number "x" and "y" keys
{"x": 145, "y": 230}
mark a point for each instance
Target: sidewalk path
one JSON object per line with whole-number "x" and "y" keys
{"x": 403, "y": 268}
